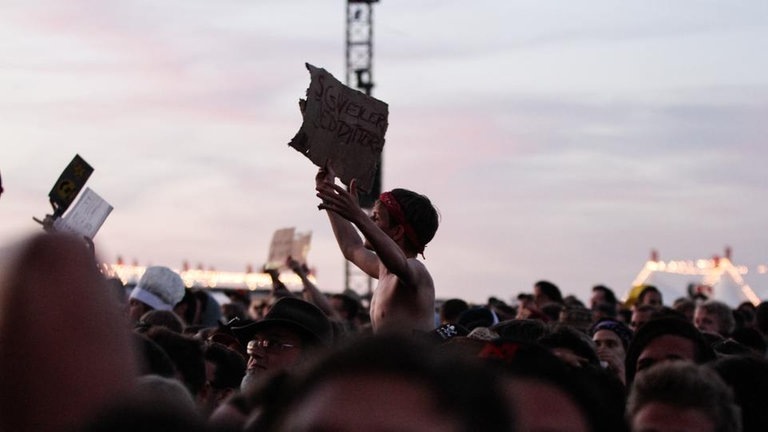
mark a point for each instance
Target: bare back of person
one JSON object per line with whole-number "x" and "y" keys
{"x": 399, "y": 308}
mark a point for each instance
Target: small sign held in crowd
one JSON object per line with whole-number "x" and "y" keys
{"x": 86, "y": 216}
{"x": 89, "y": 212}
{"x": 69, "y": 184}
{"x": 286, "y": 242}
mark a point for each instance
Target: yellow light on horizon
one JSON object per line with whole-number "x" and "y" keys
{"x": 750, "y": 295}
{"x": 196, "y": 278}
{"x": 743, "y": 270}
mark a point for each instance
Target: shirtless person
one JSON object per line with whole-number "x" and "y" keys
{"x": 401, "y": 224}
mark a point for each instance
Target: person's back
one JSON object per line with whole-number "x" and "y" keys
{"x": 396, "y": 307}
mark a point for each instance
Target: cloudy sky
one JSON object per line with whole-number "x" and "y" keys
{"x": 560, "y": 140}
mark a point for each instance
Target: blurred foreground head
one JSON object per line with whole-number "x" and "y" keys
{"x": 412, "y": 386}
{"x": 65, "y": 346}
{"x": 682, "y": 396}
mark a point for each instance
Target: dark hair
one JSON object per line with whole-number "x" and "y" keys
{"x": 761, "y": 317}
{"x": 210, "y": 309}
{"x": 452, "y": 308}
{"x": 645, "y": 308}
{"x": 420, "y": 214}
{"x": 607, "y": 310}
{"x": 186, "y": 354}
{"x": 596, "y": 392}
{"x": 610, "y": 297}
{"x": 480, "y": 316}
{"x": 161, "y": 318}
{"x": 687, "y": 386}
{"x": 552, "y": 311}
{"x": 350, "y": 305}
{"x": 645, "y": 291}
{"x": 564, "y": 336}
{"x": 525, "y": 297}
{"x": 463, "y": 390}
{"x": 153, "y": 360}
{"x": 191, "y": 301}
{"x": 751, "y": 338}
{"x": 666, "y": 312}
{"x": 661, "y": 327}
{"x": 624, "y": 315}
{"x": 684, "y": 305}
{"x": 526, "y": 330}
{"x": 578, "y": 317}
{"x": 748, "y": 377}
{"x": 229, "y": 366}
{"x": 550, "y": 290}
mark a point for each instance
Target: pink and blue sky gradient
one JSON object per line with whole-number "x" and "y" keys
{"x": 560, "y": 140}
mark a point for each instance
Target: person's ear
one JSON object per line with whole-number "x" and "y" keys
{"x": 399, "y": 232}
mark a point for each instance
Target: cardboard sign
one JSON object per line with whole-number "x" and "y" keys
{"x": 69, "y": 185}
{"x": 287, "y": 243}
{"x": 342, "y": 127}
{"x": 300, "y": 247}
{"x": 86, "y": 216}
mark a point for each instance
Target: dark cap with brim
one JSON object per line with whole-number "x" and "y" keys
{"x": 295, "y": 314}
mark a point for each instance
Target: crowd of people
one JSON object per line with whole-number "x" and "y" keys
{"x": 81, "y": 352}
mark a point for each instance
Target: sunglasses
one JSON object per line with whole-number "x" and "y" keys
{"x": 270, "y": 346}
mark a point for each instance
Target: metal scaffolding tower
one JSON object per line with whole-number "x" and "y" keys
{"x": 360, "y": 45}
{"x": 359, "y": 60}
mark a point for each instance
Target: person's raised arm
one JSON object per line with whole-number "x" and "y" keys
{"x": 279, "y": 290}
{"x": 311, "y": 293}
{"x": 343, "y": 225}
{"x": 344, "y": 204}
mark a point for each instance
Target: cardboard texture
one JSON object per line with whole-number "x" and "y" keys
{"x": 343, "y": 128}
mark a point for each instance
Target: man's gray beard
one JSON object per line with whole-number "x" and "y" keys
{"x": 249, "y": 379}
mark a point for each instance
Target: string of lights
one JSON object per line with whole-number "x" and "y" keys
{"x": 199, "y": 278}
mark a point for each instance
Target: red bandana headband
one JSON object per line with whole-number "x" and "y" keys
{"x": 395, "y": 211}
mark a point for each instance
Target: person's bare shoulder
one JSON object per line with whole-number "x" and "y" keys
{"x": 420, "y": 274}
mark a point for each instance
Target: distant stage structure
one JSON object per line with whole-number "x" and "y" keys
{"x": 717, "y": 278}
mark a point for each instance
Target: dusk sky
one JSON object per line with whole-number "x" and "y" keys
{"x": 560, "y": 140}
